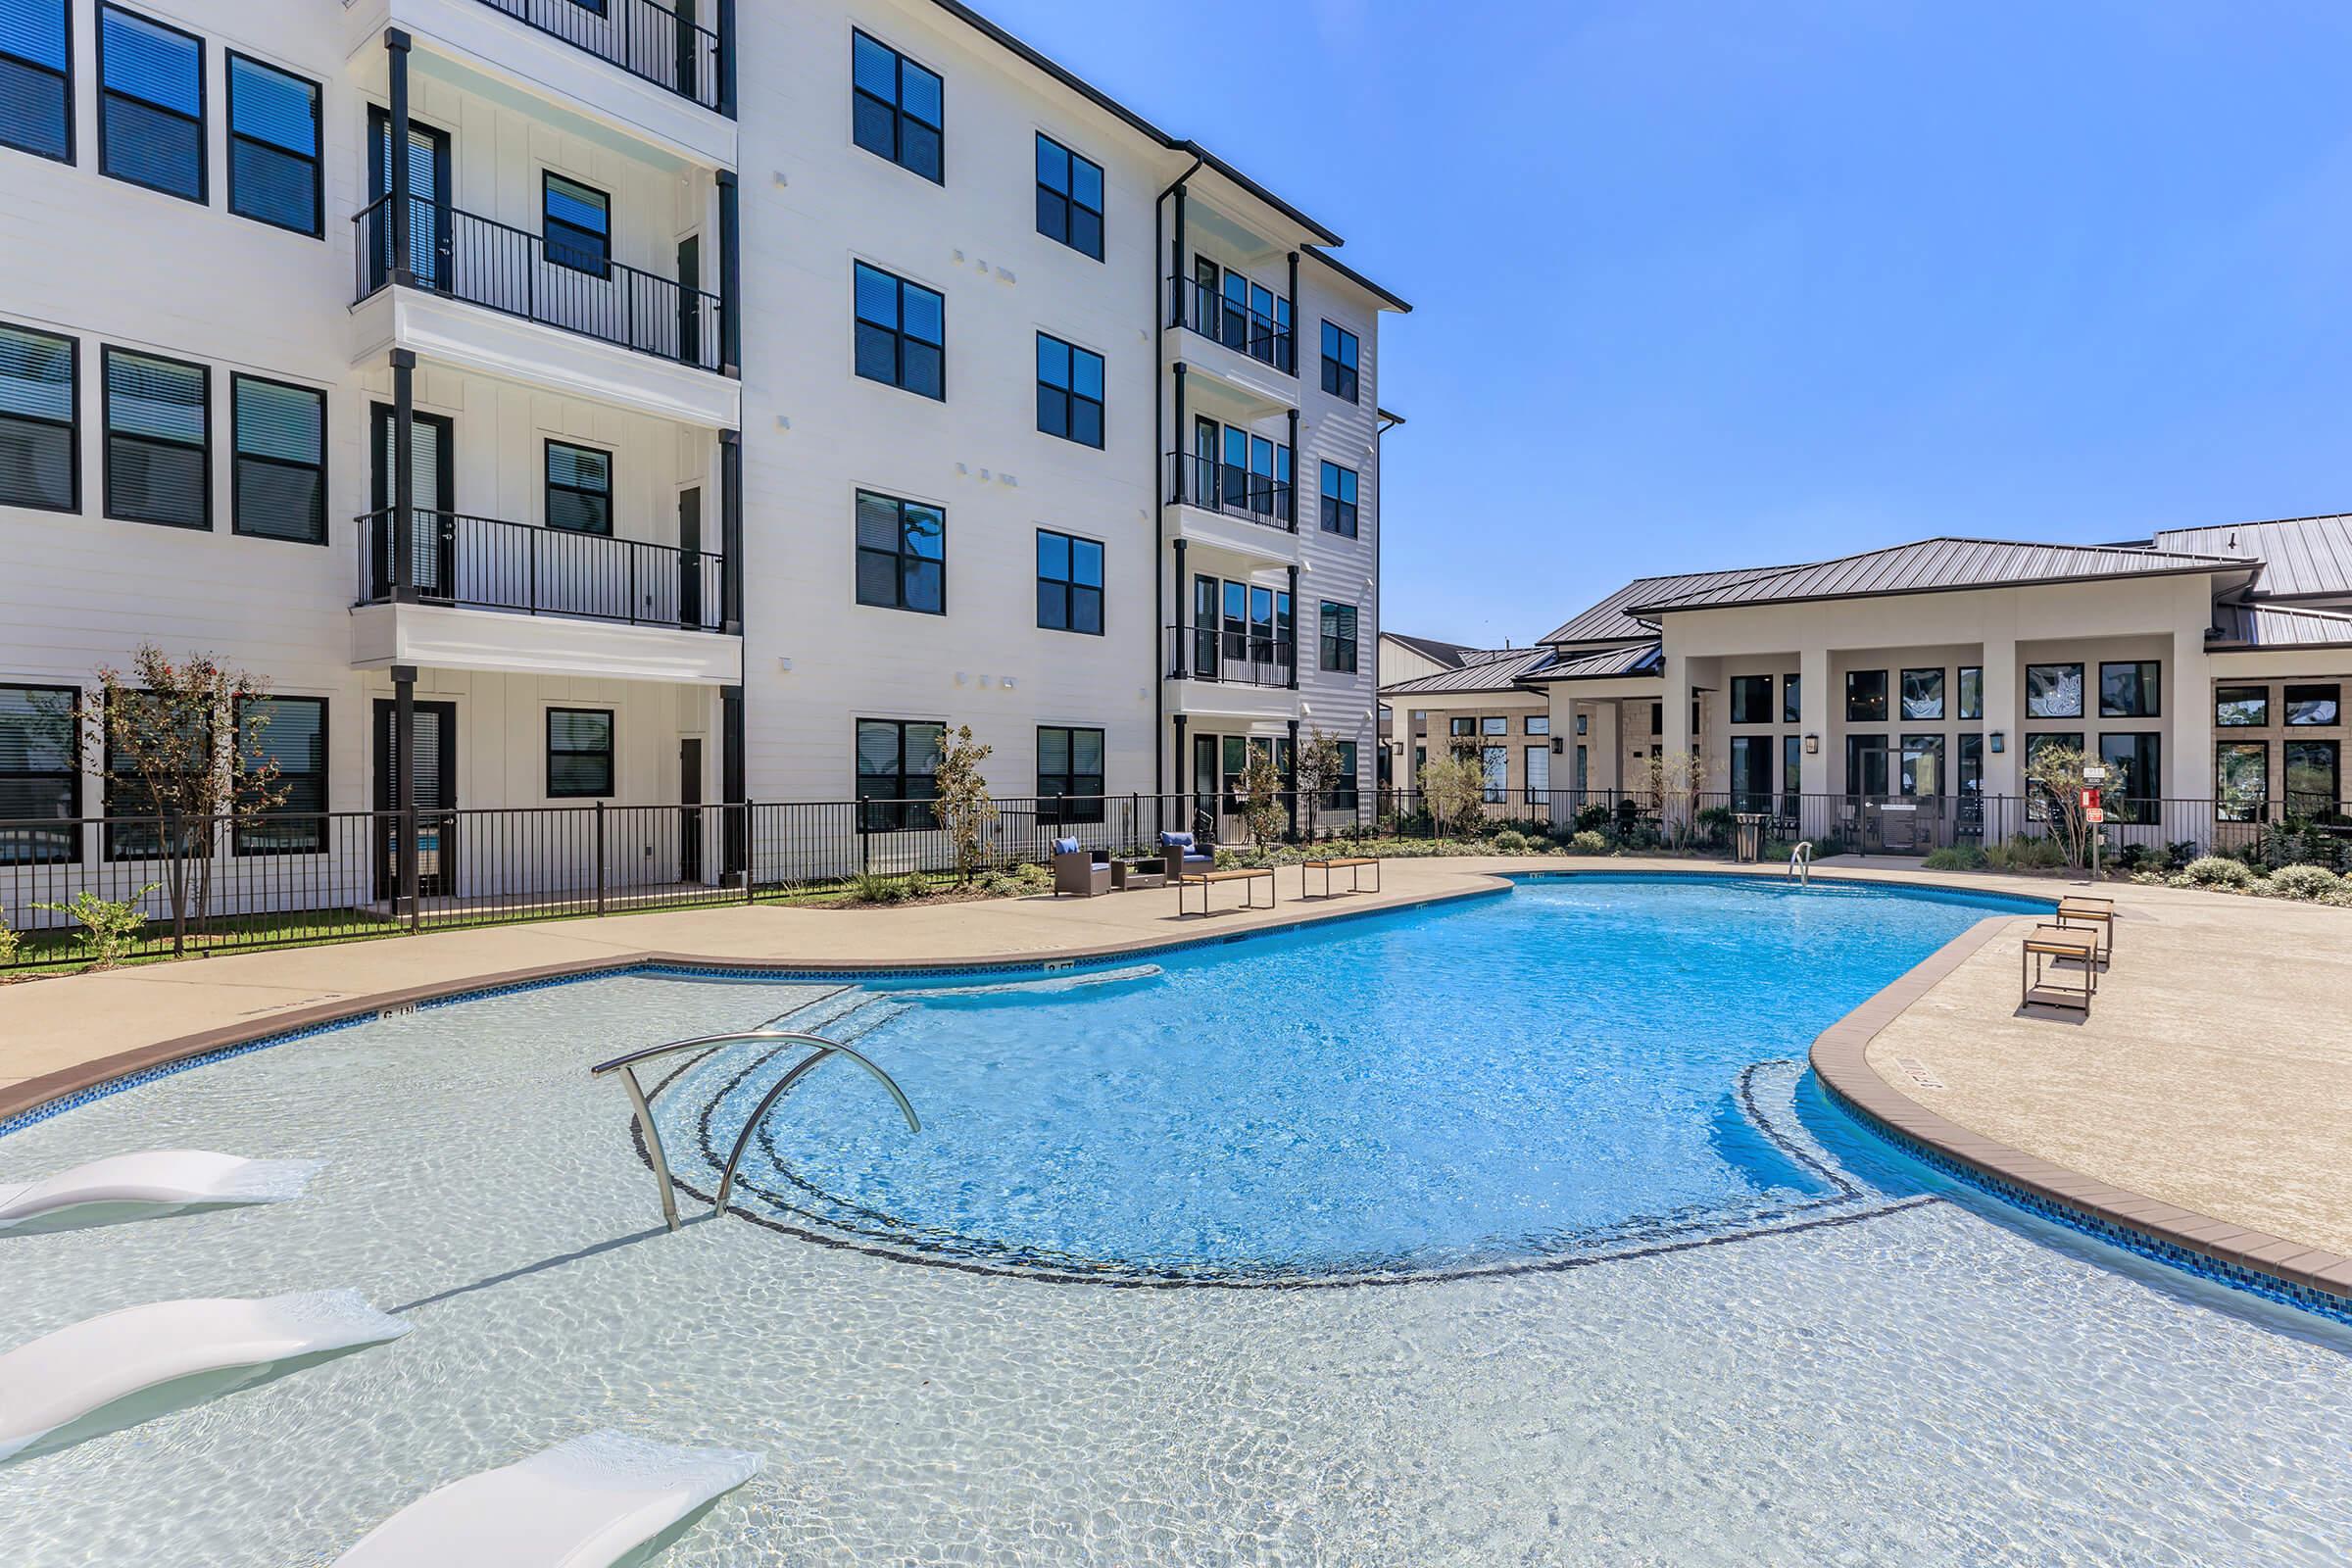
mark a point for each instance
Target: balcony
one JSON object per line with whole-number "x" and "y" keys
{"x": 1231, "y": 492}
{"x": 1255, "y": 658}
{"x": 462, "y": 256}
{"x": 1257, "y": 325}
{"x": 485, "y": 564}
{"x": 647, "y": 39}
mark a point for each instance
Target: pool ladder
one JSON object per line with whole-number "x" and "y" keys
{"x": 823, "y": 1050}
{"x": 1800, "y": 862}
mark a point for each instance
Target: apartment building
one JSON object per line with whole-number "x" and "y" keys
{"x": 660, "y": 404}
{"x": 2205, "y": 668}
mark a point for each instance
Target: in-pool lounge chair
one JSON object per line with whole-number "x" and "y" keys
{"x": 1183, "y": 860}
{"x": 1084, "y": 872}
{"x": 152, "y": 1182}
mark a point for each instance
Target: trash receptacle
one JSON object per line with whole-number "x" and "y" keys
{"x": 1747, "y": 836}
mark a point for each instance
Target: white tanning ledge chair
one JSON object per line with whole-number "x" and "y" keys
{"x": 157, "y": 1181}
{"x": 110, "y": 1372}
{"x": 585, "y": 1504}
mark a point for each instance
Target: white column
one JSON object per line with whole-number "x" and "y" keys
{"x": 1813, "y": 714}
{"x": 2188, "y": 723}
{"x": 1604, "y": 755}
{"x": 2005, "y": 715}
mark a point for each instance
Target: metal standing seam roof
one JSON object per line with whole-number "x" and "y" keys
{"x": 1933, "y": 566}
{"x": 1434, "y": 649}
{"x": 2301, "y": 556}
{"x": 2256, "y": 627}
{"x": 1640, "y": 658}
{"x": 1608, "y": 622}
{"x": 1500, "y": 672}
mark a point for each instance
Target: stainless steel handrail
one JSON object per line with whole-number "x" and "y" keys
{"x": 1800, "y": 862}
{"x": 626, "y": 1066}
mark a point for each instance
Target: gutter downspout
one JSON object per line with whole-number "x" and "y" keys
{"x": 1382, "y": 423}
{"x": 1159, "y": 508}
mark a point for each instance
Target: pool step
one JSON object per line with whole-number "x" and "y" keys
{"x": 155, "y": 1181}
{"x": 584, "y": 1503}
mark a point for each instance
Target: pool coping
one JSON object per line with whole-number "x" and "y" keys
{"x": 2314, "y": 1279}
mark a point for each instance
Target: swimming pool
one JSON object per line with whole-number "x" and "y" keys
{"x": 1502, "y": 1328}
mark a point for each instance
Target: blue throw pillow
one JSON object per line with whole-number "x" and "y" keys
{"x": 1175, "y": 841}
{"x": 1065, "y": 846}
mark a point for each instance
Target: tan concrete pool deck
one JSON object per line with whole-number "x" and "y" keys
{"x": 2213, "y": 1074}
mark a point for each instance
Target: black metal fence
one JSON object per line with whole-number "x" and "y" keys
{"x": 483, "y": 563}
{"x": 509, "y": 270}
{"x": 657, "y": 41}
{"x": 1237, "y": 492}
{"x": 1236, "y": 657}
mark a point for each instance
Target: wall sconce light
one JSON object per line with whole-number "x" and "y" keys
{"x": 2000, "y": 743}
{"x": 1812, "y": 745}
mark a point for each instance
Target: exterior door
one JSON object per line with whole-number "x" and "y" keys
{"x": 690, "y": 281}
{"x": 690, "y": 556}
{"x": 1205, "y": 785}
{"x": 690, "y": 808}
{"x": 1539, "y": 773}
{"x": 429, "y": 236}
{"x": 433, "y": 536}
{"x": 435, "y": 766}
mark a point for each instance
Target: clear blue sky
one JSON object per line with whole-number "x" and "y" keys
{"x": 1703, "y": 283}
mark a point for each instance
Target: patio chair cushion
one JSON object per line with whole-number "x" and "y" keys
{"x": 1175, "y": 841}
{"x": 1065, "y": 846}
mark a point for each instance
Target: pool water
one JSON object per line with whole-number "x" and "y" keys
{"x": 1778, "y": 1342}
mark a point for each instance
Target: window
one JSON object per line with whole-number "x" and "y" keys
{"x": 1069, "y": 775}
{"x": 2313, "y": 777}
{"x": 1923, "y": 694}
{"x": 897, "y": 764}
{"x": 2314, "y": 705}
{"x": 151, "y": 105}
{"x": 134, "y": 828}
{"x": 277, "y": 468}
{"x": 1866, "y": 696}
{"x": 1461, "y": 726}
{"x": 579, "y": 489}
{"x": 1923, "y": 765}
{"x": 579, "y": 753}
{"x": 1254, "y": 475}
{"x": 1339, "y": 500}
{"x": 2129, "y": 690}
{"x": 2242, "y": 706}
{"x": 40, "y": 774}
{"x": 575, "y": 225}
{"x": 1972, "y": 691}
{"x": 902, "y": 555}
{"x": 1496, "y": 762}
{"x": 1070, "y": 391}
{"x": 1791, "y": 710}
{"x": 2241, "y": 780}
{"x": 896, "y": 110}
{"x": 2135, "y": 780}
{"x": 1793, "y": 771}
{"x": 158, "y": 462}
{"x": 1751, "y": 699}
{"x": 1493, "y": 726}
{"x": 290, "y": 732}
{"x": 1340, "y": 796}
{"x": 1069, "y": 198}
{"x": 902, "y": 333}
{"x": 1658, "y": 718}
{"x": 40, "y": 438}
{"x": 2053, "y": 691}
{"x": 1340, "y": 354}
{"x": 1069, "y": 583}
{"x": 1243, "y": 315}
{"x": 1339, "y": 642}
{"x": 1584, "y": 723}
{"x": 1539, "y": 723}
{"x": 274, "y": 171}
{"x": 1752, "y": 773}
{"x": 37, "y": 78}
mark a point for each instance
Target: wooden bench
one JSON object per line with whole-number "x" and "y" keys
{"x": 2046, "y": 943}
{"x": 1352, "y": 865}
{"x": 2080, "y": 908}
{"x": 1247, "y": 876}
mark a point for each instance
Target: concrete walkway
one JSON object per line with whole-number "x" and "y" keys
{"x": 2215, "y": 1072}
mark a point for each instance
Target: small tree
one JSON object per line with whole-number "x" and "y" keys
{"x": 966, "y": 808}
{"x": 1673, "y": 780}
{"x": 2054, "y": 783}
{"x": 1455, "y": 789}
{"x": 1322, "y": 769}
{"x": 184, "y": 740}
{"x": 1260, "y": 792}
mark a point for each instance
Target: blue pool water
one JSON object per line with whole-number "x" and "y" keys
{"x": 1546, "y": 1075}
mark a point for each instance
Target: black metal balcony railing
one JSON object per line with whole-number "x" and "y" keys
{"x": 1194, "y": 304}
{"x": 1254, "y": 656}
{"x": 647, "y": 39}
{"x": 507, "y": 269}
{"x": 1239, "y": 492}
{"x": 484, "y": 563}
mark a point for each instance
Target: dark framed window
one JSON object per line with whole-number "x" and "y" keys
{"x": 2313, "y": 773}
{"x": 901, "y": 554}
{"x": 2130, "y": 690}
{"x": 1070, "y": 391}
{"x": 151, "y": 105}
{"x": 37, "y": 78}
{"x": 1241, "y": 314}
{"x": 1539, "y": 723}
{"x": 40, "y": 430}
{"x": 1341, "y": 353}
{"x": 1972, "y": 691}
{"x": 1923, "y": 694}
{"x": 159, "y": 450}
{"x": 1339, "y": 500}
{"x": 1791, "y": 708}
{"x": 40, "y": 774}
{"x": 275, "y": 174}
{"x": 579, "y": 753}
{"x": 1461, "y": 726}
{"x": 575, "y": 225}
{"x": 2135, "y": 780}
{"x": 902, "y": 333}
{"x": 278, "y": 464}
{"x": 1866, "y": 696}
{"x": 1658, "y": 718}
{"x": 2242, "y": 781}
{"x": 292, "y": 733}
{"x": 579, "y": 489}
{"x": 1069, "y": 583}
{"x": 1494, "y": 726}
{"x": 1751, "y": 699}
{"x": 1922, "y": 774}
{"x": 1069, "y": 775}
{"x": 593, "y": 7}
{"x": 897, "y": 110}
{"x": 134, "y": 826}
{"x": 1338, "y": 639}
{"x": 2314, "y": 705}
{"x": 2242, "y": 706}
{"x": 1793, "y": 771}
{"x": 897, "y": 764}
{"x": 1340, "y": 796}
{"x": 1069, "y": 197}
{"x": 2053, "y": 691}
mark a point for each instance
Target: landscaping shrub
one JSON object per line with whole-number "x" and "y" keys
{"x": 1588, "y": 842}
{"x": 1589, "y": 820}
{"x": 8, "y": 940}
{"x": 2217, "y": 871}
{"x": 108, "y": 930}
{"x": 878, "y": 887}
{"x": 1511, "y": 841}
{"x": 2307, "y": 882}
{"x": 1715, "y": 824}
{"x": 2178, "y": 853}
{"x": 2025, "y": 852}
{"x": 1956, "y": 858}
